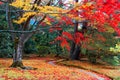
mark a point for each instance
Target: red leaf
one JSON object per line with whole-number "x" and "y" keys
{"x": 67, "y": 20}
{"x": 57, "y": 28}
{"x": 50, "y": 19}
{"x": 43, "y": 24}
{"x": 100, "y": 37}
{"x": 78, "y": 37}
{"x": 68, "y": 35}
{"x": 114, "y": 23}
{"x": 117, "y": 30}
{"x": 51, "y": 30}
{"x": 59, "y": 38}
{"x": 63, "y": 43}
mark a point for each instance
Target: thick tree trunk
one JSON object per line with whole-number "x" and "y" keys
{"x": 72, "y": 49}
{"x": 75, "y": 52}
{"x": 17, "y": 56}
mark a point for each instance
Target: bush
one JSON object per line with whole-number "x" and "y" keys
{"x": 43, "y": 50}
{"x": 6, "y": 45}
{"x": 112, "y": 60}
{"x": 30, "y": 46}
{"x": 92, "y": 56}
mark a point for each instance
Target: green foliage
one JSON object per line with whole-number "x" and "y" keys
{"x": 113, "y": 60}
{"x": 45, "y": 39}
{"x": 115, "y": 49}
{"x": 30, "y": 46}
{"x": 42, "y": 39}
{"x": 53, "y": 49}
{"x": 99, "y": 45}
{"x": 6, "y": 45}
{"x": 64, "y": 53}
{"x": 92, "y": 56}
{"x": 84, "y": 51}
{"x": 43, "y": 50}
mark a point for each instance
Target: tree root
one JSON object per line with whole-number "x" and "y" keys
{"x": 17, "y": 64}
{"x": 20, "y": 65}
{"x": 28, "y": 68}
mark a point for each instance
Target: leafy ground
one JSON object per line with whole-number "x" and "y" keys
{"x": 45, "y": 71}
{"x": 110, "y": 71}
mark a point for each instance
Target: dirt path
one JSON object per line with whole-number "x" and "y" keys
{"x": 97, "y": 76}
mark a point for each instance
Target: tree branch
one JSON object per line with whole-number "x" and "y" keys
{"x": 22, "y": 32}
{"x": 34, "y": 11}
{"x": 8, "y": 18}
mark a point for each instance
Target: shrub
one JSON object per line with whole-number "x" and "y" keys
{"x": 92, "y": 56}
{"x": 30, "y": 46}
{"x": 43, "y": 50}
{"x": 111, "y": 59}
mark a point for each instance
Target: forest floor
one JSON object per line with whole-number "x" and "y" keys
{"x": 112, "y": 72}
{"x": 46, "y": 70}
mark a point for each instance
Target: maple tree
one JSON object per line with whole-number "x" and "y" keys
{"x": 25, "y": 12}
{"x": 98, "y": 14}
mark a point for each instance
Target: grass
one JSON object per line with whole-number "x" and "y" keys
{"x": 110, "y": 71}
{"x": 45, "y": 71}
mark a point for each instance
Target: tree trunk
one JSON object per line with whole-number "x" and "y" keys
{"x": 17, "y": 56}
{"x": 72, "y": 49}
{"x": 75, "y": 52}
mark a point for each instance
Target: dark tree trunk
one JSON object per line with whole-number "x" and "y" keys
{"x": 17, "y": 56}
{"x": 75, "y": 52}
{"x": 75, "y": 49}
{"x": 72, "y": 49}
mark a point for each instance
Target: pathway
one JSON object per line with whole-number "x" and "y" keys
{"x": 97, "y": 76}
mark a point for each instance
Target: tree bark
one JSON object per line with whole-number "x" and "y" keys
{"x": 75, "y": 52}
{"x": 75, "y": 48}
{"x": 17, "y": 56}
{"x": 20, "y": 41}
{"x": 72, "y": 49}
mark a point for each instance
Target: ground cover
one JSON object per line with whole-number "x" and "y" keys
{"x": 110, "y": 71}
{"x": 45, "y": 71}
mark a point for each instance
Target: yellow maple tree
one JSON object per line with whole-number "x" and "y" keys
{"x": 30, "y": 9}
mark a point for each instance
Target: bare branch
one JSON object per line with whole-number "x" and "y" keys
{"x": 32, "y": 31}
{"x": 9, "y": 20}
{"x": 35, "y": 11}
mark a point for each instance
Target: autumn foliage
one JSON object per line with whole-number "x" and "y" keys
{"x": 45, "y": 71}
{"x": 98, "y": 13}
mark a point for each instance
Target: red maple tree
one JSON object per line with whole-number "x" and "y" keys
{"x": 97, "y": 13}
